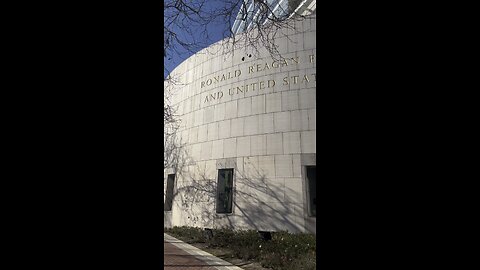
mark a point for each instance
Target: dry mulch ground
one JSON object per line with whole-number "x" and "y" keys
{"x": 227, "y": 255}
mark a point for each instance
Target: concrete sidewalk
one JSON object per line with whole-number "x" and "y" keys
{"x": 180, "y": 255}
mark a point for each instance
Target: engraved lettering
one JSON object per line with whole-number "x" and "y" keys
{"x": 262, "y": 85}
{"x": 270, "y": 85}
{"x": 305, "y": 78}
{"x": 295, "y": 78}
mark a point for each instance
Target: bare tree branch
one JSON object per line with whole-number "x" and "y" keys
{"x": 188, "y": 28}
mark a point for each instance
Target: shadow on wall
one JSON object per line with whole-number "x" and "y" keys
{"x": 259, "y": 203}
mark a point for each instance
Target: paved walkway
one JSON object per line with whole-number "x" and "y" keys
{"x": 179, "y": 256}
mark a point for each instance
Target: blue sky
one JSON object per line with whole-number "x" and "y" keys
{"x": 214, "y": 30}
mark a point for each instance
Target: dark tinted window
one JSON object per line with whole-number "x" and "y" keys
{"x": 225, "y": 191}
{"x": 312, "y": 190}
{"x": 169, "y": 195}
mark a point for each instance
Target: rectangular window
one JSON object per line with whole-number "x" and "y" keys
{"x": 169, "y": 195}
{"x": 312, "y": 190}
{"x": 225, "y": 191}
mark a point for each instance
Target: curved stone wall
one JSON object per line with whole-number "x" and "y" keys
{"x": 256, "y": 115}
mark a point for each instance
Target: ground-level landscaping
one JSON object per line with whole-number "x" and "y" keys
{"x": 284, "y": 251}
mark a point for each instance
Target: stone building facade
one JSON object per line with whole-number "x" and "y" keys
{"x": 247, "y": 137}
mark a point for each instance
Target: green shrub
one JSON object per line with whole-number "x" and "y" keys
{"x": 187, "y": 234}
{"x": 284, "y": 251}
